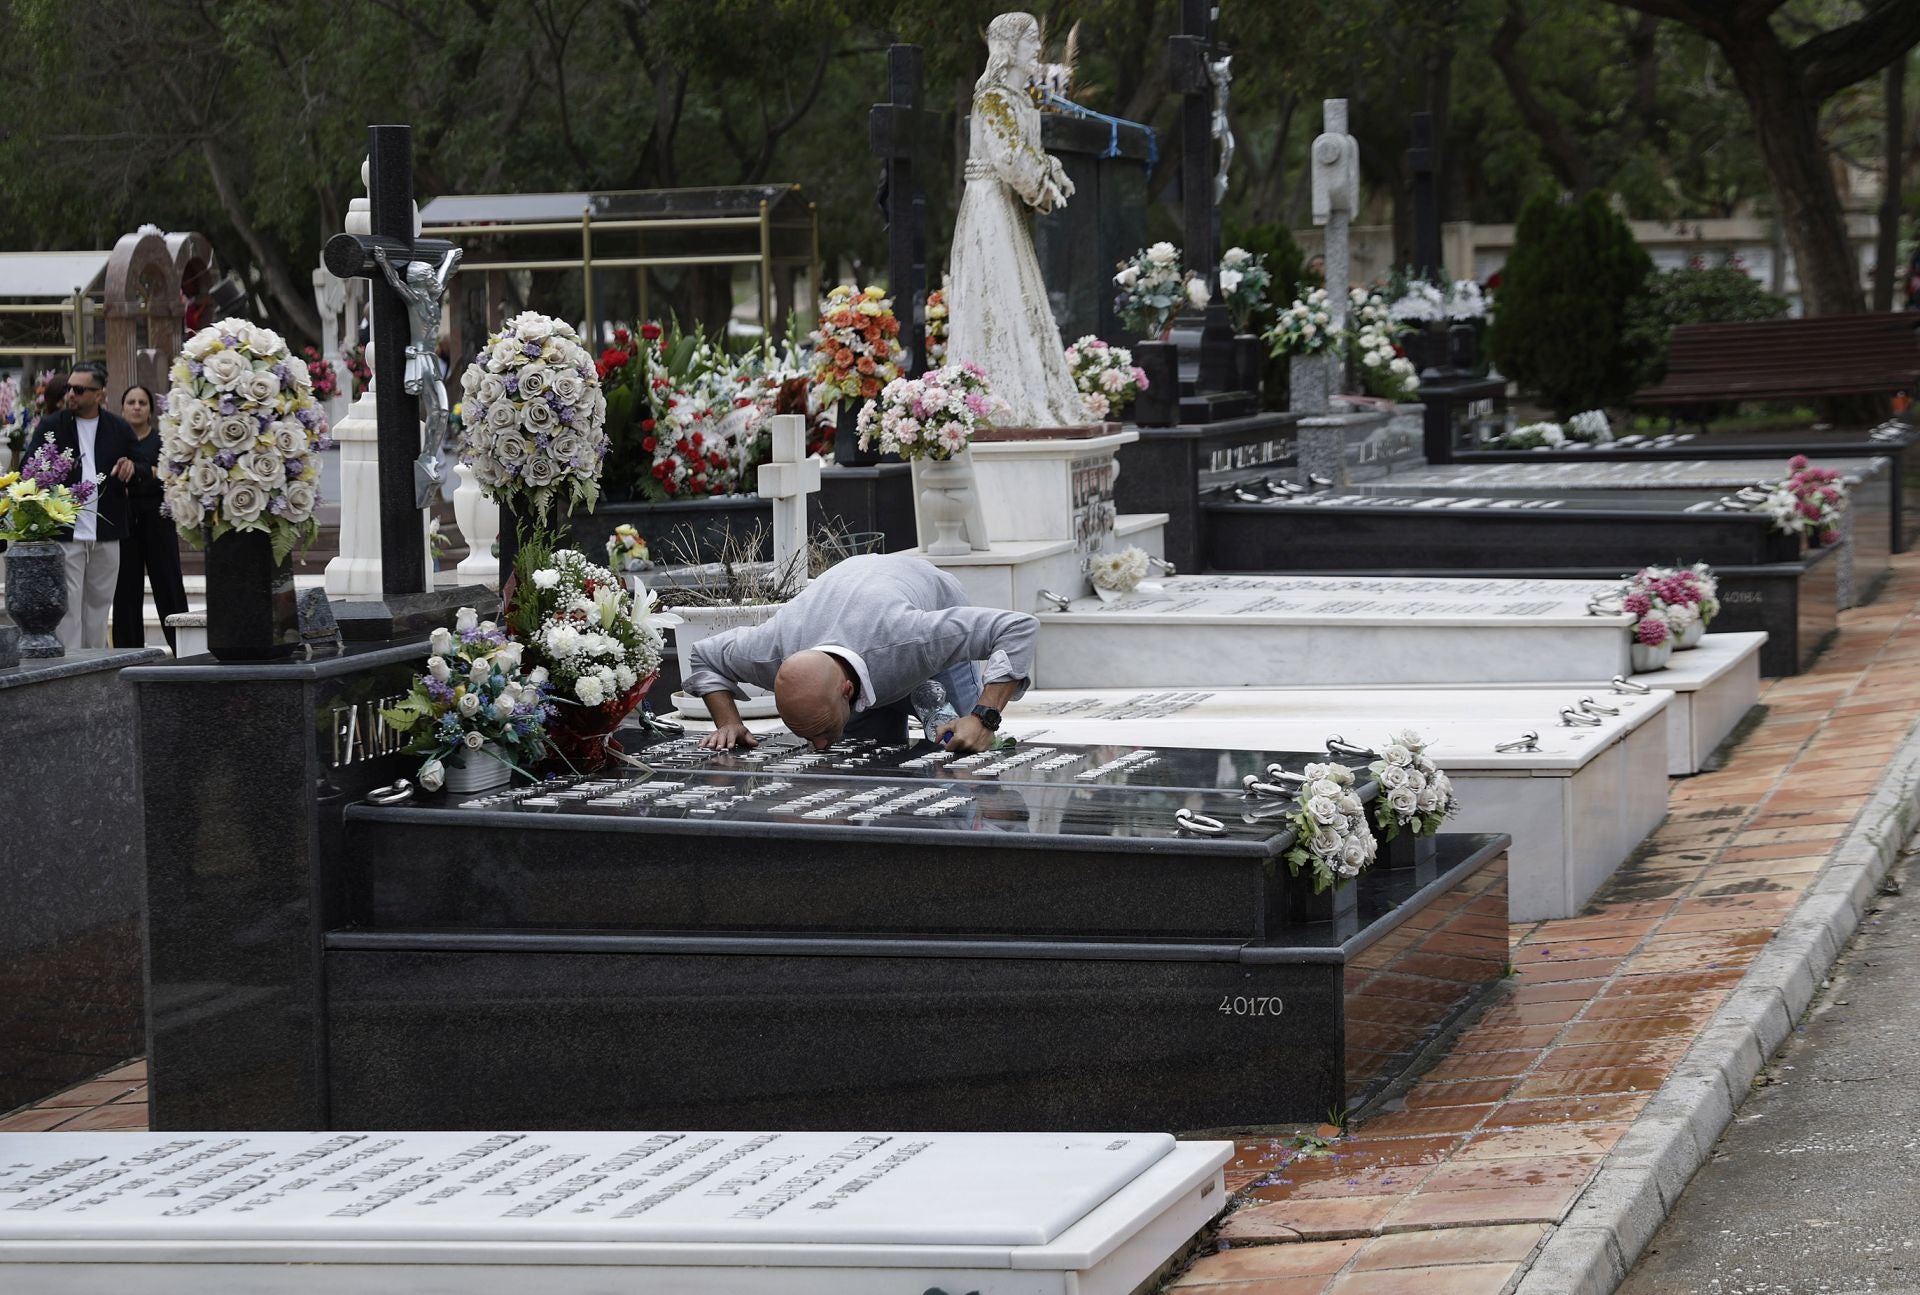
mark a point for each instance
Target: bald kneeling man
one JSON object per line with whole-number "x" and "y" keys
{"x": 844, "y": 657}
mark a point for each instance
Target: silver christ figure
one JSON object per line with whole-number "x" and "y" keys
{"x": 421, "y": 288}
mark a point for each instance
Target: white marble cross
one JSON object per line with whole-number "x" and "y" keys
{"x": 787, "y": 479}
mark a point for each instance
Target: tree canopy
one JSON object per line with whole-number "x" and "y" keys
{"x": 245, "y": 119}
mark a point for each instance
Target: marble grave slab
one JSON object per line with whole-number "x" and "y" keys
{"x": 1577, "y": 804}
{"x": 843, "y": 1213}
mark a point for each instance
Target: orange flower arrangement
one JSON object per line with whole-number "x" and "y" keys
{"x": 856, "y": 348}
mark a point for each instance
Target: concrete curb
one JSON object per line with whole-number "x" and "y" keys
{"x": 1592, "y": 1251}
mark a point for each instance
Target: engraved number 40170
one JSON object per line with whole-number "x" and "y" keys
{"x": 1269, "y": 1006}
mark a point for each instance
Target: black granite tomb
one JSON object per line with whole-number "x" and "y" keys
{"x": 1892, "y": 441}
{"x": 868, "y": 939}
{"x": 70, "y": 873}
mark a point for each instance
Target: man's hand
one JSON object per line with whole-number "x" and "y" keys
{"x": 123, "y": 470}
{"x": 727, "y": 736}
{"x": 966, "y": 736}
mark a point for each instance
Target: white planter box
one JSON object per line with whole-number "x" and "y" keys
{"x": 701, "y": 622}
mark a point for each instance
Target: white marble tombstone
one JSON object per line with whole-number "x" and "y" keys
{"x": 574, "y": 1213}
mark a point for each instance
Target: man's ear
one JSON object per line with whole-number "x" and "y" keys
{"x": 846, "y": 689}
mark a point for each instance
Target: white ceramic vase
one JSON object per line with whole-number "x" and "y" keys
{"x": 1690, "y": 637}
{"x": 477, "y": 770}
{"x": 946, "y": 489}
{"x": 479, "y": 520}
{"x": 1647, "y": 658}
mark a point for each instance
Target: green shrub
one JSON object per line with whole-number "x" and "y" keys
{"x": 1560, "y": 314}
{"x": 1721, "y": 295}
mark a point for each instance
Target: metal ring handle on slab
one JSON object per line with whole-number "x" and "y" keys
{"x": 394, "y": 794}
{"x": 1319, "y": 482}
{"x": 1254, "y": 787}
{"x": 1280, "y": 774}
{"x": 1198, "y": 824}
{"x": 1528, "y": 741}
{"x": 1623, "y": 684}
{"x": 1593, "y": 707}
{"x": 1571, "y": 718}
{"x": 661, "y": 724}
{"x": 1248, "y": 497}
{"x": 1060, "y": 601}
{"x": 1163, "y": 566}
{"x": 1337, "y": 745}
{"x": 1604, "y": 607}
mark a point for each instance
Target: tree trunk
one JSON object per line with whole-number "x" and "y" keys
{"x": 1786, "y": 122}
{"x": 1886, "y": 261}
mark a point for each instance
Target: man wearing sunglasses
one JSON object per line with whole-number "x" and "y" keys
{"x": 101, "y": 445}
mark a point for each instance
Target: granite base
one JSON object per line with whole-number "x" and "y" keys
{"x": 71, "y": 1002}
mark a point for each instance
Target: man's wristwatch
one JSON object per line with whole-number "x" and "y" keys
{"x": 989, "y": 718}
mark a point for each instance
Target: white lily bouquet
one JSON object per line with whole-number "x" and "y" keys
{"x": 1416, "y": 796}
{"x": 240, "y": 438}
{"x": 593, "y": 635}
{"x": 475, "y": 702}
{"x": 533, "y": 422}
{"x": 1152, "y": 287}
{"x": 1244, "y": 284}
{"x": 1332, "y": 838}
{"x": 1116, "y": 574}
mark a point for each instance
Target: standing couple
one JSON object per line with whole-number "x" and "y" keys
{"x": 121, "y": 537}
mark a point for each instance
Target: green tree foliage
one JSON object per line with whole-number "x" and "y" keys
{"x": 1564, "y": 301}
{"x": 1721, "y": 294}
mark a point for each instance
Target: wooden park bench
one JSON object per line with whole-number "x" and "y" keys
{"x": 1828, "y": 356}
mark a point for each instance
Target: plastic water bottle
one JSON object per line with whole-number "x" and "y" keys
{"x": 936, "y": 713}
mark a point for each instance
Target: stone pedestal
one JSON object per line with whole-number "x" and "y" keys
{"x": 1309, "y": 384}
{"x": 71, "y": 883}
{"x": 1051, "y": 490}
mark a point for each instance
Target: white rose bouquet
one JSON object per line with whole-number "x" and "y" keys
{"x": 533, "y": 418}
{"x": 1107, "y": 377}
{"x": 1415, "y": 794}
{"x": 1244, "y": 284}
{"x": 1151, "y": 287}
{"x": 475, "y": 701}
{"x": 1331, "y": 836}
{"x": 1533, "y": 436}
{"x": 587, "y": 630}
{"x": 930, "y": 417}
{"x": 240, "y": 437}
{"x": 1466, "y": 301}
{"x": 1421, "y": 303}
{"x": 1305, "y": 328}
{"x": 1590, "y": 427}
{"x": 1117, "y": 574}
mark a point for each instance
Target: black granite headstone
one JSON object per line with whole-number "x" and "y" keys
{"x": 901, "y": 132}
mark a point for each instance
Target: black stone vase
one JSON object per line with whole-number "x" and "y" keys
{"x": 1430, "y": 350}
{"x": 37, "y": 595}
{"x": 1337, "y": 906}
{"x": 1159, "y": 404}
{"x": 1408, "y": 852}
{"x": 1463, "y": 348}
{"x": 846, "y": 437}
{"x": 1249, "y": 362}
{"x": 252, "y": 614}
{"x": 509, "y": 543}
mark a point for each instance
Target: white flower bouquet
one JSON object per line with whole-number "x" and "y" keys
{"x": 533, "y": 420}
{"x": 1415, "y": 794}
{"x": 1152, "y": 287}
{"x": 1466, "y": 302}
{"x": 1421, "y": 303}
{"x": 1304, "y": 328}
{"x": 590, "y": 633}
{"x": 475, "y": 702}
{"x": 1590, "y": 427}
{"x": 930, "y": 417}
{"x": 239, "y": 438}
{"x": 1119, "y": 573}
{"x": 1531, "y": 436}
{"x": 1244, "y": 284}
{"x": 1810, "y": 502}
{"x": 1106, "y": 375}
{"x": 1332, "y": 839}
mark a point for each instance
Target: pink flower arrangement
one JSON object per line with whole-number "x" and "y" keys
{"x": 931, "y": 417}
{"x": 1106, "y": 376}
{"x": 1651, "y": 629}
{"x": 1809, "y": 502}
{"x": 1670, "y": 602}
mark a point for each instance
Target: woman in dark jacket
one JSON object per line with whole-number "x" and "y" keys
{"x": 151, "y": 550}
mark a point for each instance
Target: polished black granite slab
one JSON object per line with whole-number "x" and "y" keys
{"x": 1168, "y": 469}
{"x": 1893, "y": 441}
{"x": 625, "y": 1030}
{"x": 1362, "y": 529}
{"x": 70, "y": 873}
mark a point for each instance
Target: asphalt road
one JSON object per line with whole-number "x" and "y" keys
{"x": 1815, "y": 1187}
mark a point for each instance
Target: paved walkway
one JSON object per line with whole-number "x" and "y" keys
{"x": 1816, "y": 1186}
{"x": 1455, "y": 1188}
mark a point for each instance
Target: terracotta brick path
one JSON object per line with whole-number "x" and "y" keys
{"x": 1450, "y": 1192}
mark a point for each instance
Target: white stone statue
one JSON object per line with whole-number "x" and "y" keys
{"x": 996, "y": 299}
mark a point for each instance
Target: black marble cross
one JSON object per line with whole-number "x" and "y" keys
{"x": 1190, "y": 52}
{"x": 407, "y": 602}
{"x": 1423, "y": 163}
{"x": 904, "y": 135}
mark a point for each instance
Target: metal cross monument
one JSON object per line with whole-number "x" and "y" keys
{"x": 407, "y": 603}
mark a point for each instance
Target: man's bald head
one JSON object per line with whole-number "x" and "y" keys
{"x": 814, "y": 697}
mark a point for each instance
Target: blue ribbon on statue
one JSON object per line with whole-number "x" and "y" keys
{"x": 1049, "y": 99}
